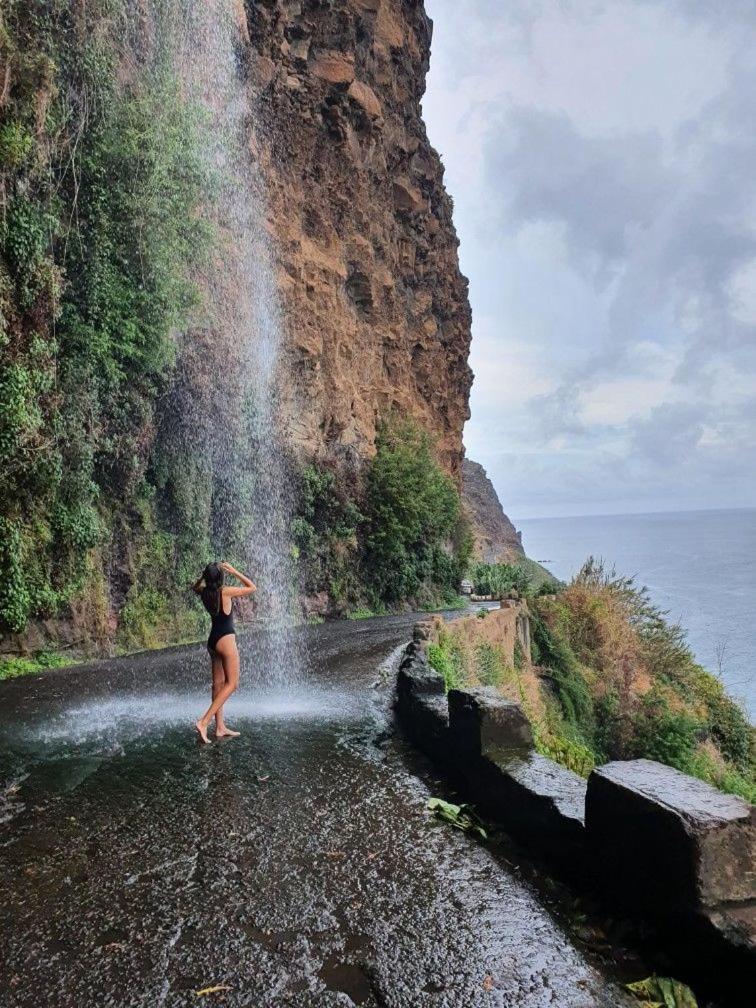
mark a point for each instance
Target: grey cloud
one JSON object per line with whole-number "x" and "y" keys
{"x": 655, "y": 227}
{"x": 670, "y": 434}
{"x": 603, "y": 189}
{"x": 668, "y": 237}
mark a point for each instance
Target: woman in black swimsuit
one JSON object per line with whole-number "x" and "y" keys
{"x": 224, "y": 656}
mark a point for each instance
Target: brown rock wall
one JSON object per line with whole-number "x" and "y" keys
{"x": 496, "y": 539}
{"x": 376, "y": 309}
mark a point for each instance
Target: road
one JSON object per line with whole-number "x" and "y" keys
{"x": 296, "y": 865}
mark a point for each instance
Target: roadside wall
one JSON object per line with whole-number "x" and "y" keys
{"x": 655, "y": 843}
{"x": 501, "y": 628}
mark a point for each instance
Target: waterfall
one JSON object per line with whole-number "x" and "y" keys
{"x": 252, "y": 499}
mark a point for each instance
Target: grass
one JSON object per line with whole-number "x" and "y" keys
{"x": 12, "y": 668}
{"x": 455, "y": 602}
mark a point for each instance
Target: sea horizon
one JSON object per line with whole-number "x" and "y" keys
{"x": 631, "y": 514}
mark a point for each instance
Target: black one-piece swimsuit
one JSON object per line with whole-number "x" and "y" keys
{"x": 222, "y": 623}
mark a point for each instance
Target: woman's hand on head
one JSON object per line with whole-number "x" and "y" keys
{"x": 248, "y": 585}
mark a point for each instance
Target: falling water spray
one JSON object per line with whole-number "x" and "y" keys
{"x": 252, "y": 499}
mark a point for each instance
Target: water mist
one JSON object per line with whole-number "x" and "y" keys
{"x": 252, "y": 504}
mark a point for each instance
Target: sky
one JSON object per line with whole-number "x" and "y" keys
{"x": 601, "y": 155}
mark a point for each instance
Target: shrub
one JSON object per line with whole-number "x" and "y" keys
{"x": 10, "y": 668}
{"x": 412, "y": 515}
{"x": 447, "y": 661}
{"x": 573, "y": 755}
{"x": 665, "y": 735}
{"x": 571, "y": 689}
{"x": 624, "y": 675}
{"x": 518, "y": 654}
{"x": 727, "y": 724}
{"x": 324, "y": 530}
{"x": 490, "y": 665}
{"x": 499, "y": 580}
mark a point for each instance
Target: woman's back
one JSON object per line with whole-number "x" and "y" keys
{"x": 222, "y": 621}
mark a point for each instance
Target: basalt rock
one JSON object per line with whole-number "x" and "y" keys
{"x": 421, "y": 704}
{"x": 491, "y": 744}
{"x": 673, "y": 849}
{"x": 495, "y": 537}
{"x": 375, "y": 307}
{"x": 418, "y": 678}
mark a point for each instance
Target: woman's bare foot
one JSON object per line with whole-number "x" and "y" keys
{"x": 202, "y": 730}
{"x": 225, "y": 732}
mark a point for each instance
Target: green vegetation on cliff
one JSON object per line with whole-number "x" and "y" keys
{"x": 622, "y": 681}
{"x": 114, "y": 491}
{"x": 609, "y": 678}
{"x": 499, "y": 580}
{"x": 417, "y": 545}
{"x": 100, "y": 184}
{"x": 325, "y": 533}
{"x": 398, "y": 536}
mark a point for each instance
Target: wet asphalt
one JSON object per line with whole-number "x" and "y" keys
{"x": 296, "y": 865}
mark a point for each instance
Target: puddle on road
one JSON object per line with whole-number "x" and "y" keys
{"x": 347, "y": 978}
{"x": 60, "y": 752}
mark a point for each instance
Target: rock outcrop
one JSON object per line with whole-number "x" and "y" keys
{"x": 375, "y": 306}
{"x": 496, "y": 539}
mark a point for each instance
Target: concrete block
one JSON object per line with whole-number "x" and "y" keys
{"x": 664, "y": 839}
{"x": 417, "y": 678}
{"x": 484, "y": 724}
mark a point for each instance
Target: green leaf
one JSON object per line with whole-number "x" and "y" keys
{"x": 460, "y": 816}
{"x": 662, "y": 992}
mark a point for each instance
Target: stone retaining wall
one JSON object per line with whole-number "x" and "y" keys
{"x": 501, "y": 627}
{"x": 661, "y": 846}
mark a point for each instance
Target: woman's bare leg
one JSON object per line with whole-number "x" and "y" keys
{"x": 219, "y": 678}
{"x": 221, "y": 728}
{"x": 219, "y": 681}
{"x": 226, "y": 648}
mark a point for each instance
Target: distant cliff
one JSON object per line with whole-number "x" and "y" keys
{"x": 495, "y": 538}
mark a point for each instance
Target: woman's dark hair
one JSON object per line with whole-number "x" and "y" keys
{"x": 212, "y": 575}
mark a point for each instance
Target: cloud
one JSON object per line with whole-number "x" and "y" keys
{"x": 670, "y": 434}
{"x": 605, "y": 191}
{"x": 602, "y": 157}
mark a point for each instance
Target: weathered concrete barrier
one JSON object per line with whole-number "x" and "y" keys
{"x": 484, "y": 724}
{"x": 659, "y": 844}
{"x": 422, "y": 706}
{"x": 547, "y": 807}
{"x": 671, "y": 839}
{"x": 508, "y": 628}
{"x": 670, "y": 847}
{"x": 485, "y": 744}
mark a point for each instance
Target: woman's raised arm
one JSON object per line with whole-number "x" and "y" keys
{"x": 249, "y": 585}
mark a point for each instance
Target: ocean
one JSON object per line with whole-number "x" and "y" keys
{"x": 697, "y": 565}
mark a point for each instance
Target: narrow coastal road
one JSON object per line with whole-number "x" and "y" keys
{"x": 296, "y": 865}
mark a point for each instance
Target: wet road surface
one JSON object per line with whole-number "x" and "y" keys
{"x": 296, "y": 865}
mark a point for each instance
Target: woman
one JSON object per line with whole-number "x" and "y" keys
{"x": 224, "y": 656}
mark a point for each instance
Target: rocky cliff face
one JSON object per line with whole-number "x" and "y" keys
{"x": 132, "y": 300}
{"x": 496, "y": 539}
{"x": 376, "y": 309}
